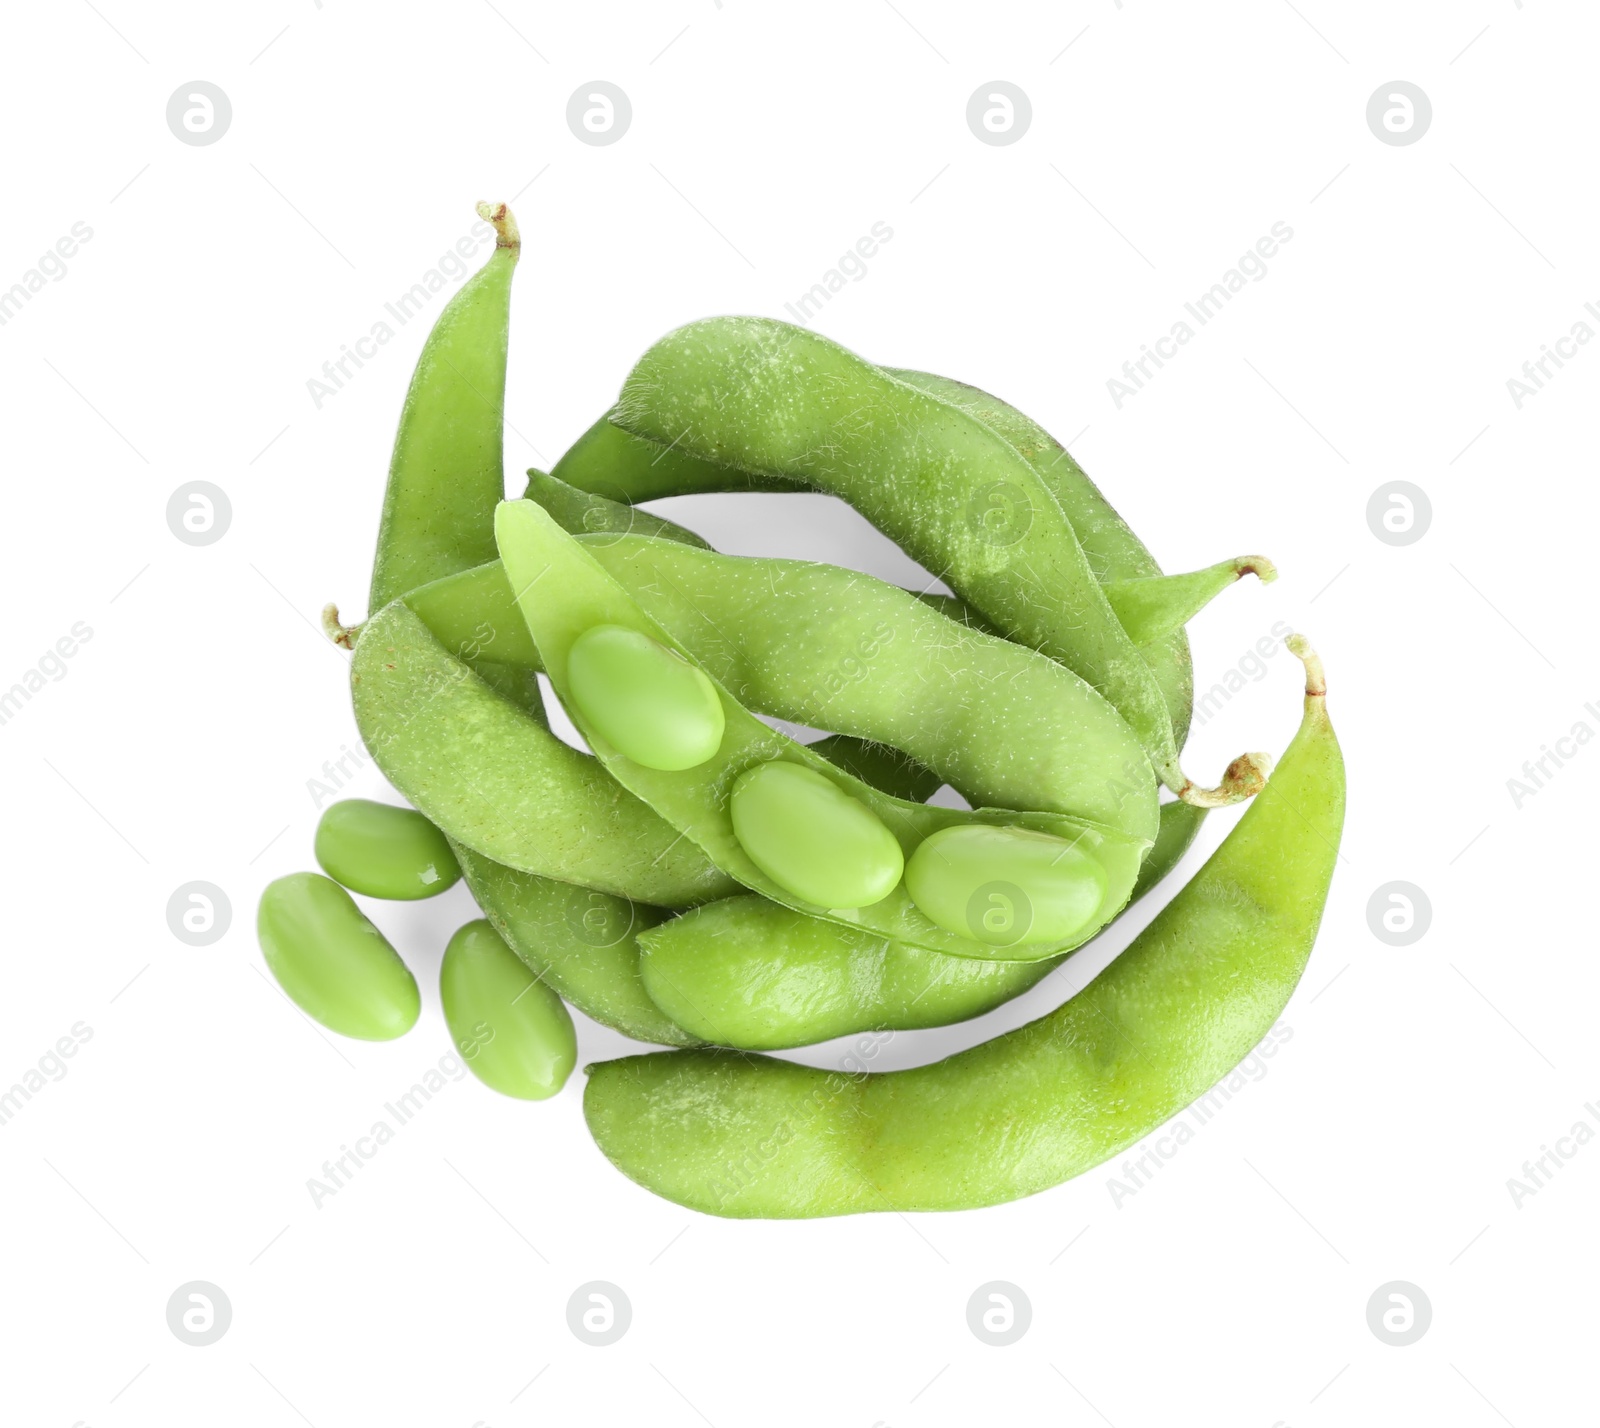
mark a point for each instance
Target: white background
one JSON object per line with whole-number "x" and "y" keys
{"x": 1166, "y": 139}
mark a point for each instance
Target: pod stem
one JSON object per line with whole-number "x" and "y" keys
{"x": 506, "y": 232}
{"x": 1244, "y": 778}
{"x": 1316, "y": 680}
{"x": 1247, "y": 775}
{"x": 343, "y": 635}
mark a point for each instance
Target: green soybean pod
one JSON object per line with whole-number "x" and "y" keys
{"x": 567, "y": 592}
{"x": 752, "y": 974}
{"x": 581, "y": 941}
{"x": 384, "y": 851}
{"x": 613, "y": 463}
{"x": 514, "y": 1033}
{"x": 767, "y": 396}
{"x": 1178, "y": 1010}
{"x": 446, "y": 474}
{"x": 333, "y": 963}
{"x": 495, "y": 779}
{"x": 1154, "y": 607}
{"x": 584, "y": 512}
{"x": 835, "y": 649}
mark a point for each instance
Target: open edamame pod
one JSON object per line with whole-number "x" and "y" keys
{"x": 581, "y": 941}
{"x": 766, "y": 396}
{"x": 747, "y": 1136}
{"x": 500, "y": 782}
{"x": 835, "y": 649}
{"x": 446, "y": 475}
{"x": 565, "y": 593}
{"x": 751, "y": 974}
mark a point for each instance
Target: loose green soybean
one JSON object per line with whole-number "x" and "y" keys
{"x": 808, "y": 835}
{"x": 652, "y": 705}
{"x": 577, "y": 593}
{"x": 495, "y": 779}
{"x": 580, "y": 941}
{"x": 745, "y": 972}
{"x": 510, "y": 1028}
{"x": 384, "y": 851}
{"x": 747, "y": 1136}
{"x": 1008, "y": 887}
{"x": 333, "y": 963}
{"x": 769, "y": 397}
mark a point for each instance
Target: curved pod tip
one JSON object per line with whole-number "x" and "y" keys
{"x": 1316, "y": 680}
{"x": 506, "y": 232}
{"x": 1257, "y": 565}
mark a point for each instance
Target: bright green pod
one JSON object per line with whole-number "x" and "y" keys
{"x": 612, "y": 463}
{"x": 749, "y": 973}
{"x": 804, "y": 831}
{"x": 1009, "y": 887}
{"x": 514, "y": 1033}
{"x": 730, "y": 1133}
{"x": 1153, "y": 607}
{"x": 446, "y": 473}
{"x": 384, "y": 851}
{"x": 575, "y": 593}
{"x": 586, "y": 513}
{"x": 652, "y": 704}
{"x": 835, "y": 649}
{"x": 956, "y": 496}
{"x": 333, "y": 963}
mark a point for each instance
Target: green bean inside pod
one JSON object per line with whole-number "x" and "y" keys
{"x": 746, "y": 1136}
{"x": 563, "y": 592}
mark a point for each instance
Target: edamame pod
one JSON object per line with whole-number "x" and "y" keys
{"x": 501, "y": 783}
{"x": 835, "y": 649}
{"x": 738, "y": 1135}
{"x": 586, "y": 513}
{"x": 510, "y": 1028}
{"x": 384, "y": 851}
{"x": 610, "y": 462}
{"x": 581, "y": 941}
{"x": 333, "y": 963}
{"x": 749, "y": 973}
{"x": 770, "y": 397}
{"x": 564, "y": 592}
{"x": 445, "y": 476}
{"x": 1153, "y": 607}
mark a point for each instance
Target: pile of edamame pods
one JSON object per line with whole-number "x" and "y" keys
{"x": 700, "y": 880}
